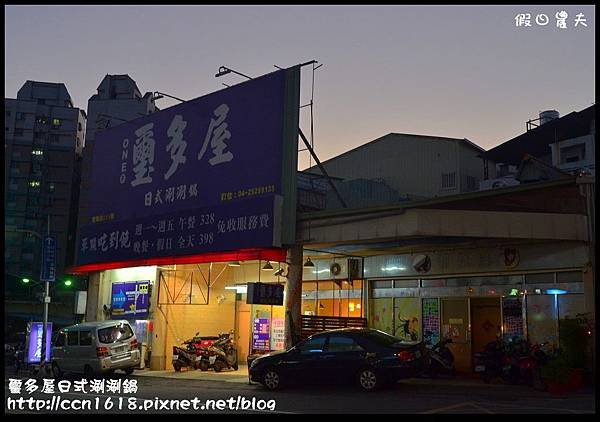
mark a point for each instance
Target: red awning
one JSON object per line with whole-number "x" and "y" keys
{"x": 273, "y": 254}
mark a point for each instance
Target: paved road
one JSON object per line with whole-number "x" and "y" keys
{"x": 410, "y": 396}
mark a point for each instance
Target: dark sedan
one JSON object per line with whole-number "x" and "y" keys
{"x": 368, "y": 357}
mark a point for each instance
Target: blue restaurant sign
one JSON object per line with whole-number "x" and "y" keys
{"x": 213, "y": 174}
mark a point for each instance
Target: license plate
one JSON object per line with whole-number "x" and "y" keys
{"x": 212, "y": 359}
{"x": 175, "y": 357}
{"x": 198, "y": 358}
{"x": 479, "y": 368}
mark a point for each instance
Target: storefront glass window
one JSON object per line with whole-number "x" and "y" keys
{"x": 309, "y": 298}
{"x": 539, "y": 278}
{"x": 542, "y": 311}
{"x": 407, "y": 318}
{"x": 433, "y": 283}
{"x": 382, "y": 284}
{"x": 338, "y": 298}
{"x": 382, "y": 314}
{"x": 569, "y": 277}
{"x": 570, "y": 305}
{"x": 406, "y": 283}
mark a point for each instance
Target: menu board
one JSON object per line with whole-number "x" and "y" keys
{"x": 261, "y": 334}
{"x": 278, "y": 334}
{"x": 431, "y": 321}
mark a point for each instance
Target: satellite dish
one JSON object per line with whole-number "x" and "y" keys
{"x": 335, "y": 268}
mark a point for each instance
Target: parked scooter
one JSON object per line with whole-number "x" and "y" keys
{"x": 441, "y": 360}
{"x": 222, "y": 354}
{"x": 502, "y": 360}
{"x": 192, "y": 354}
{"x": 493, "y": 362}
{"x": 530, "y": 366}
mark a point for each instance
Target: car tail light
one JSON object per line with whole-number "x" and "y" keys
{"x": 134, "y": 344}
{"x": 405, "y": 355}
{"x": 102, "y": 352}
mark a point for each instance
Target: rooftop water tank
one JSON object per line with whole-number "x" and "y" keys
{"x": 546, "y": 116}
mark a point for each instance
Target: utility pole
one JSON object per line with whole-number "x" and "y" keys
{"x": 46, "y": 302}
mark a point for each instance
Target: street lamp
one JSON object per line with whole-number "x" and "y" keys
{"x": 46, "y": 293}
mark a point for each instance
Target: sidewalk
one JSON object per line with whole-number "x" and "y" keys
{"x": 239, "y": 376}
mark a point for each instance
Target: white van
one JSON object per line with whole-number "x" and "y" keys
{"x": 95, "y": 348}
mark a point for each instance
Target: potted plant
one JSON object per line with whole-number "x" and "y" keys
{"x": 573, "y": 342}
{"x": 557, "y": 375}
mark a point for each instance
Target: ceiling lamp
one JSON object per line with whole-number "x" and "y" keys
{"x": 309, "y": 263}
{"x": 267, "y": 266}
{"x": 234, "y": 263}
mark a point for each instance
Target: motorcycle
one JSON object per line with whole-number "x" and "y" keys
{"x": 505, "y": 360}
{"x": 193, "y": 354}
{"x": 441, "y": 359}
{"x": 530, "y": 366}
{"x": 222, "y": 354}
{"x": 494, "y": 362}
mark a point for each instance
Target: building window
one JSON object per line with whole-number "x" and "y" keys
{"x": 572, "y": 154}
{"x": 41, "y": 119}
{"x": 54, "y": 138}
{"x": 55, "y": 123}
{"x": 41, "y": 101}
{"x": 18, "y": 132}
{"x": 8, "y": 112}
{"x": 472, "y": 183}
{"x": 20, "y": 116}
{"x": 449, "y": 180}
{"x": 382, "y": 284}
{"x": 37, "y": 152}
{"x": 34, "y": 183}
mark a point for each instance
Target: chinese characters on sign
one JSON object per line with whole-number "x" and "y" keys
{"x": 260, "y": 334}
{"x": 264, "y": 294}
{"x": 278, "y": 334}
{"x": 524, "y": 20}
{"x": 34, "y": 341}
{"x": 130, "y": 299}
{"x": 157, "y": 178}
{"x": 182, "y": 233}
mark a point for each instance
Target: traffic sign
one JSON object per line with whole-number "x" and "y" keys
{"x": 49, "y": 259}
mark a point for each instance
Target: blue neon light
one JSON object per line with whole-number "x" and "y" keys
{"x": 556, "y": 292}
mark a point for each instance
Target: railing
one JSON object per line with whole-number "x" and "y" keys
{"x": 315, "y": 324}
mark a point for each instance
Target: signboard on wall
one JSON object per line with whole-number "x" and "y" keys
{"x": 261, "y": 334}
{"x": 213, "y": 174}
{"x": 264, "y": 294}
{"x": 130, "y": 299}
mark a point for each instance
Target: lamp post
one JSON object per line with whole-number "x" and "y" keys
{"x": 46, "y": 289}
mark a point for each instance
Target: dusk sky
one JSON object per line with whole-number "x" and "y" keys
{"x": 465, "y": 72}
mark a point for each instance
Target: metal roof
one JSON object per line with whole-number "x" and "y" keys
{"x": 386, "y": 137}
